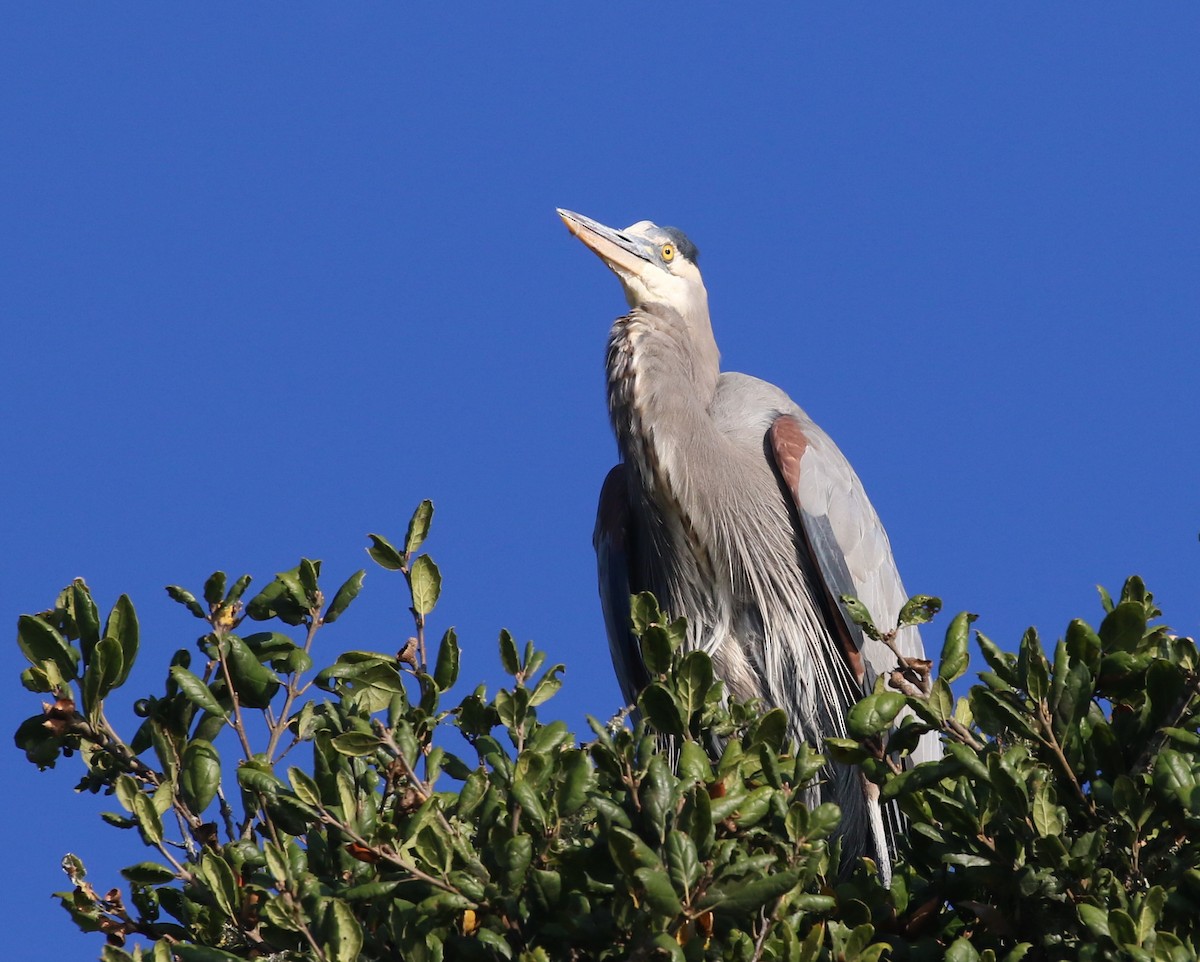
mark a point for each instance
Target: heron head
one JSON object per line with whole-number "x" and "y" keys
{"x": 656, "y": 265}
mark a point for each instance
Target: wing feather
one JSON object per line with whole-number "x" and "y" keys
{"x": 613, "y": 541}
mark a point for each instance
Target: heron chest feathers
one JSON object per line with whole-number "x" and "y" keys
{"x": 716, "y": 541}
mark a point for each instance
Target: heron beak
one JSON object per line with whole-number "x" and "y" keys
{"x": 623, "y": 254}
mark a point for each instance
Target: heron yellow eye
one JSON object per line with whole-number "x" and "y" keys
{"x": 668, "y": 253}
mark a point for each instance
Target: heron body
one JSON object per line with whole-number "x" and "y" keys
{"x": 738, "y": 512}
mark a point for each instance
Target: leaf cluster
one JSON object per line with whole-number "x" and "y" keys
{"x": 359, "y": 805}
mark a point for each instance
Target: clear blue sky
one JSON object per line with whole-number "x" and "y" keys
{"x": 271, "y": 274}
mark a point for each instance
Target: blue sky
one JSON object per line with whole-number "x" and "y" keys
{"x": 271, "y": 275}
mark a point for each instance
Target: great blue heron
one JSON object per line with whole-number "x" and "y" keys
{"x": 737, "y": 511}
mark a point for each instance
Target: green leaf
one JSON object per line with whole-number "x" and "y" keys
{"x": 630, "y": 852}
{"x": 1120, "y": 925}
{"x": 861, "y": 616}
{"x": 660, "y": 896}
{"x": 1045, "y": 811}
{"x": 955, "y": 649}
{"x": 343, "y": 934}
{"x": 122, "y": 624}
{"x": 1175, "y": 778}
{"x": 525, "y": 794}
{"x": 345, "y": 594}
{"x": 508, "y": 653}
{"x": 187, "y": 599}
{"x": 577, "y": 779}
{"x": 961, "y": 950}
{"x": 445, "y": 674}
{"x": 200, "y": 774}
{"x": 1084, "y": 644}
{"x": 87, "y": 618}
{"x": 305, "y": 788}
{"x": 40, "y": 642}
{"x": 662, "y": 709}
{"x": 254, "y": 683}
{"x": 101, "y": 675}
{"x": 385, "y": 555}
{"x": 656, "y": 650}
{"x": 694, "y": 679}
{"x": 194, "y": 689}
{"x": 355, "y": 744}
{"x": 426, "y": 584}
{"x": 148, "y": 873}
{"x": 216, "y": 873}
{"x": 1096, "y": 919}
{"x": 238, "y": 589}
{"x": 308, "y": 572}
{"x": 683, "y": 862}
{"x": 1123, "y": 627}
{"x": 148, "y": 820}
{"x": 644, "y": 612}
{"x": 875, "y": 713}
{"x": 1032, "y": 666}
{"x": 918, "y": 610}
{"x": 418, "y": 527}
{"x": 748, "y": 896}
{"x": 694, "y": 764}
{"x": 214, "y": 588}
{"x": 547, "y": 686}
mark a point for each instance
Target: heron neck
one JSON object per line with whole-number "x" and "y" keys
{"x": 662, "y": 376}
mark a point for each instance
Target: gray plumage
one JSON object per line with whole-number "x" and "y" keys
{"x": 738, "y": 512}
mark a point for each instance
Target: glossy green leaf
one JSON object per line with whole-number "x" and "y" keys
{"x": 385, "y": 554}
{"x": 343, "y": 933}
{"x": 659, "y": 894}
{"x": 148, "y": 873}
{"x": 656, "y": 650}
{"x": 40, "y": 642}
{"x": 918, "y": 610}
{"x": 683, "y": 861}
{"x": 199, "y": 774}
{"x": 644, "y": 612}
{"x": 254, "y": 683}
{"x": 148, "y": 820}
{"x": 875, "y": 713}
{"x": 630, "y": 852}
{"x": 1123, "y": 627}
{"x": 102, "y": 674}
{"x": 694, "y": 763}
{"x": 426, "y": 584}
{"x": 577, "y": 780}
{"x": 694, "y": 679}
{"x": 187, "y": 599}
{"x": 508, "y": 653}
{"x": 749, "y": 896}
{"x": 194, "y": 689}
{"x": 214, "y": 588}
{"x": 418, "y": 527}
{"x": 344, "y": 596}
{"x": 547, "y": 686}
{"x": 87, "y": 618}
{"x": 355, "y": 744}
{"x": 662, "y": 709}
{"x": 955, "y": 656}
{"x": 860, "y": 616}
{"x": 122, "y": 624}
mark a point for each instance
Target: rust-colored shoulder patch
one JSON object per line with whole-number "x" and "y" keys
{"x": 788, "y": 443}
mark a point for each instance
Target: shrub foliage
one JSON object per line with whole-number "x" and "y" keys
{"x": 349, "y": 811}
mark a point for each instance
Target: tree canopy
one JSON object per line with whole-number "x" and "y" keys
{"x": 290, "y": 801}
